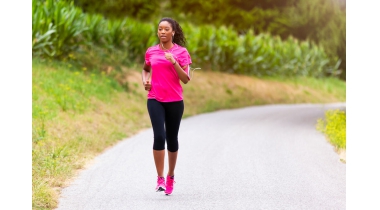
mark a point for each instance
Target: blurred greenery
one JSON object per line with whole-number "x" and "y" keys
{"x": 116, "y": 9}
{"x": 62, "y": 31}
{"x": 320, "y": 21}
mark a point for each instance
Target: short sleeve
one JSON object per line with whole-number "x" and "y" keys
{"x": 147, "y": 57}
{"x": 184, "y": 58}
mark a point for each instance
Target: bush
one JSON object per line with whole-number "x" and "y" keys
{"x": 334, "y": 126}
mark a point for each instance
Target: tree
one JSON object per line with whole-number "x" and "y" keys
{"x": 140, "y": 9}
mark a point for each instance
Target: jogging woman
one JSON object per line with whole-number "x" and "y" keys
{"x": 166, "y": 64}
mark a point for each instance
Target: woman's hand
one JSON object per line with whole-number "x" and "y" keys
{"x": 145, "y": 75}
{"x": 147, "y": 86}
{"x": 180, "y": 70}
{"x": 169, "y": 57}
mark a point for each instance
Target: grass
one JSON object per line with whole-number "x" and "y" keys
{"x": 78, "y": 113}
{"x": 332, "y": 86}
{"x": 209, "y": 91}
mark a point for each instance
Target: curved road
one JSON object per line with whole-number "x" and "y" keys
{"x": 261, "y": 157}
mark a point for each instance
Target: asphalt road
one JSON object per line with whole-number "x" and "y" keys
{"x": 262, "y": 157}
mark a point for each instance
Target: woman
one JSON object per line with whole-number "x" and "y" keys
{"x": 166, "y": 63}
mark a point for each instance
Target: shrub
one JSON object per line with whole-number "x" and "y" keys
{"x": 334, "y": 126}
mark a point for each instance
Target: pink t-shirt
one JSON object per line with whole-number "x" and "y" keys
{"x": 165, "y": 81}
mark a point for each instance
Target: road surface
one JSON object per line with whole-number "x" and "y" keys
{"x": 261, "y": 157}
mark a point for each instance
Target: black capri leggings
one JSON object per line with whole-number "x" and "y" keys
{"x": 166, "y": 118}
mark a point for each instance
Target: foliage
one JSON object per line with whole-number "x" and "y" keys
{"x": 226, "y": 13}
{"x": 263, "y": 4}
{"x": 320, "y": 21}
{"x": 118, "y": 9}
{"x": 334, "y": 126}
{"x": 56, "y": 27}
{"x": 260, "y": 55}
{"x": 126, "y": 40}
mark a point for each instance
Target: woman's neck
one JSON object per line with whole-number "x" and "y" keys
{"x": 166, "y": 46}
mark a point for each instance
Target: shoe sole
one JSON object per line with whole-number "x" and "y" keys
{"x": 160, "y": 189}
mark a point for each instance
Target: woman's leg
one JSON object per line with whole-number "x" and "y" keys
{"x": 157, "y": 117}
{"x": 173, "y": 116}
{"x": 159, "y": 159}
{"x": 172, "y": 158}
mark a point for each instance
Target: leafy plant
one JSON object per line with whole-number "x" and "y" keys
{"x": 56, "y": 26}
{"x": 334, "y": 126}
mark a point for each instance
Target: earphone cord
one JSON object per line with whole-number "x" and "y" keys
{"x": 192, "y": 70}
{"x": 163, "y": 46}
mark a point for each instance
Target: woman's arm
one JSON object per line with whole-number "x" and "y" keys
{"x": 180, "y": 70}
{"x": 145, "y": 75}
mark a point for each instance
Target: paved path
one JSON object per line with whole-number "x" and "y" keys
{"x": 262, "y": 157}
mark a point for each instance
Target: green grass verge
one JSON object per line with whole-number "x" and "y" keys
{"x": 328, "y": 85}
{"x": 71, "y": 124}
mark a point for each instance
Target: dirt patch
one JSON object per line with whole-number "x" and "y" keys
{"x": 342, "y": 155}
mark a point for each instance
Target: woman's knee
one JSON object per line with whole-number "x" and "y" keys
{"x": 159, "y": 142}
{"x": 173, "y": 145}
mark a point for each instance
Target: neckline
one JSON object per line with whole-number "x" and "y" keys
{"x": 172, "y": 48}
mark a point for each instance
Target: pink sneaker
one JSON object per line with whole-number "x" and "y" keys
{"x": 169, "y": 185}
{"x": 160, "y": 184}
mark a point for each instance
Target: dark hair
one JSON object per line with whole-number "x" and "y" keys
{"x": 178, "y": 38}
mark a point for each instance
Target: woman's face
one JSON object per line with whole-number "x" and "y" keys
{"x": 165, "y": 32}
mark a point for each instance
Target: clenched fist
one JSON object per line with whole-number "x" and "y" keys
{"x": 169, "y": 57}
{"x": 147, "y": 86}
